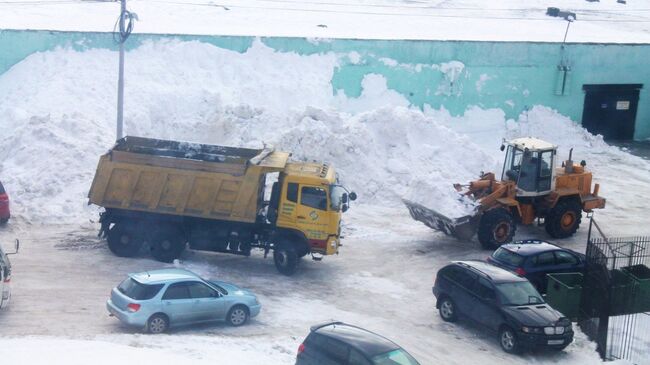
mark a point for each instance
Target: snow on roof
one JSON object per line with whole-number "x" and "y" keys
{"x": 532, "y": 144}
{"x": 606, "y": 21}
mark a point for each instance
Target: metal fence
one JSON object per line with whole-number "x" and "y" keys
{"x": 615, "y": 304}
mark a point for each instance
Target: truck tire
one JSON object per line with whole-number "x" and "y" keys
{"x": 167, "y": 246}
{"x": 564, "y": 219}
{"x": 286, "y": 259}
{"x": 124, "y": 240}
{"x": 496, "y": 228}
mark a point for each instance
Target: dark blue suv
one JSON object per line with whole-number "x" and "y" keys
{"x": 534, "y": 259}
{"x": 502, "y": 302}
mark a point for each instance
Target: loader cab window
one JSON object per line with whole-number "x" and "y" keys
{"x": 314, "y": 197}
{"x": 532, "y": 170}
{"x": 512, "y": 164}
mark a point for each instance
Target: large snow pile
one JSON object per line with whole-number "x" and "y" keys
{"x": 58, "y": 112}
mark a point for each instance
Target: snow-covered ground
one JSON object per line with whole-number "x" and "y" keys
{"x": 503, "y": 20}
{"x": 57, "y": 115}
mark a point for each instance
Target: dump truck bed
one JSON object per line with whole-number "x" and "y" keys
{"x": 187, "y": 179}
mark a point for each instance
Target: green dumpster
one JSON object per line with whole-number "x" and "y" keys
{"x": 563, "y": 291}
{"x": 641, "y": 276}
{"x": 621, "y": 298}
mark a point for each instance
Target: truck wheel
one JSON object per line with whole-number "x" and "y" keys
{"x": 167, "y": 246}
{"x": 564, "y": 219}
{"x": 496, "y": 228}
{"x": 286, "y": 259}
{"x": 123, "y": 240}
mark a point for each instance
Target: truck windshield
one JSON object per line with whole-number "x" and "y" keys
{"x": 336, "y": 197}
{"x": 518, "y": 293}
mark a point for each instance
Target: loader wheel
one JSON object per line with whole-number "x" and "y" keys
{"x": 286, "y": 259}
{"x": 124, "y": 240}
{"x": 564, "y": 219}
{"x": 496, "y": 228}
{"x": 166, "y": 246}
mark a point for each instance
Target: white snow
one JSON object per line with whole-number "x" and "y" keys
{"x": 505, "y": 20}
{"x": 59, "y": 109}
{"x": 57, "y": 114}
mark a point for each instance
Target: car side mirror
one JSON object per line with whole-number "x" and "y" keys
{"x": 353, "y": 196}
{"x": 16, "y": 247}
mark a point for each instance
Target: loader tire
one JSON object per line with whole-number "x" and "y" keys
{"x": 124, "y": 240}
{"x": 496, "y": 228}
{"x": 564, "y": 219}
{"x": 167, "y": 245}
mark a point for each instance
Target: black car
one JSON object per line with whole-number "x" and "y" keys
{"x": 502, "y": 302}
{"x": 337, "y": 343}
{"x": 534, "y": 259}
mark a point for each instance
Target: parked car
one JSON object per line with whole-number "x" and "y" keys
{"x": 4, "y": 205}
{"x": 503, "y": 302}
{"x": 335, "y": 343}
{"x": 5, "y": 275}
{"x": 160, "y": 299}
{"x": 534, "y": 259}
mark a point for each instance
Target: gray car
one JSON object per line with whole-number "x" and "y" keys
{"x": 160, "y": 299}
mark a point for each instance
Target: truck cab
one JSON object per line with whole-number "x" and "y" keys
{"x": 311, "y": 202}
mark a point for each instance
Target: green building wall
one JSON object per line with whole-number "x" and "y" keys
{"x": 512, "y": 76}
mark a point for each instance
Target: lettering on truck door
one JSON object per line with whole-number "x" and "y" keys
{"x": 311, "y": 214}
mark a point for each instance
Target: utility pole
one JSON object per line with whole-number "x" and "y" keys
{"x": 120, "y": 80}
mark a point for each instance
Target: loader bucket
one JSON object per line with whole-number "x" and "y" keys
{"x": 462, "y": 228}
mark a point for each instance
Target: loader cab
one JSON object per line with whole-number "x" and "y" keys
{"x": 529, "y": 162}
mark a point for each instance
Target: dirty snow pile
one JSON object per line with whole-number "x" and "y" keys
{"x": 58, "y": 113}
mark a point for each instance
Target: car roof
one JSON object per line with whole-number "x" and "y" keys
{"x": 163, "y": 276}
{"x": 494, "y": 273}
{"x": 369, "y": 343}
{"x": 530, "y": 247}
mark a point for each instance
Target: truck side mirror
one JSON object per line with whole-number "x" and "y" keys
{"x": 344, "y": 208}
{"x": 16, "y": 247}
{"x": 353, "y": 196}
{"x": 344, "y": 198}
{"x": 503, "y": 147}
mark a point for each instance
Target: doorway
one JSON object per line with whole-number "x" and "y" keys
{"x": 610, "y": 110}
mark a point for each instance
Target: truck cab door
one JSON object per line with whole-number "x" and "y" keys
{"x": 312, "y": 214}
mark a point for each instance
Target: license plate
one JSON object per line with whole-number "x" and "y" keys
{"x": 556, "y": 342}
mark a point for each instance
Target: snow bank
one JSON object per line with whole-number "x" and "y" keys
{"x": 177, "y": 350}
{"x": 58, "y": 111}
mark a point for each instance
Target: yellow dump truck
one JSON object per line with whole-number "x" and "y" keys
{"x": 163, "y": 195}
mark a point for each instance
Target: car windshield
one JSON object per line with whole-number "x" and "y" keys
{"x": 518, "y": 293}
{"x": 395, "y": 357}
{"x": 138, "y": 291}
{"x": 508, "y": 257}
{"x": 336, "y": 197}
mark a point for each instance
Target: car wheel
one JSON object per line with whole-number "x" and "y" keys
{"x": 447, "y": 310}
{"x": 508, "y": 340}
{"x": 237, "y": 315}
{"x": 157, "y": 323}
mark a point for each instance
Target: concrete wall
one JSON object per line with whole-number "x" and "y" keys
{"x": 508, "y": 75}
